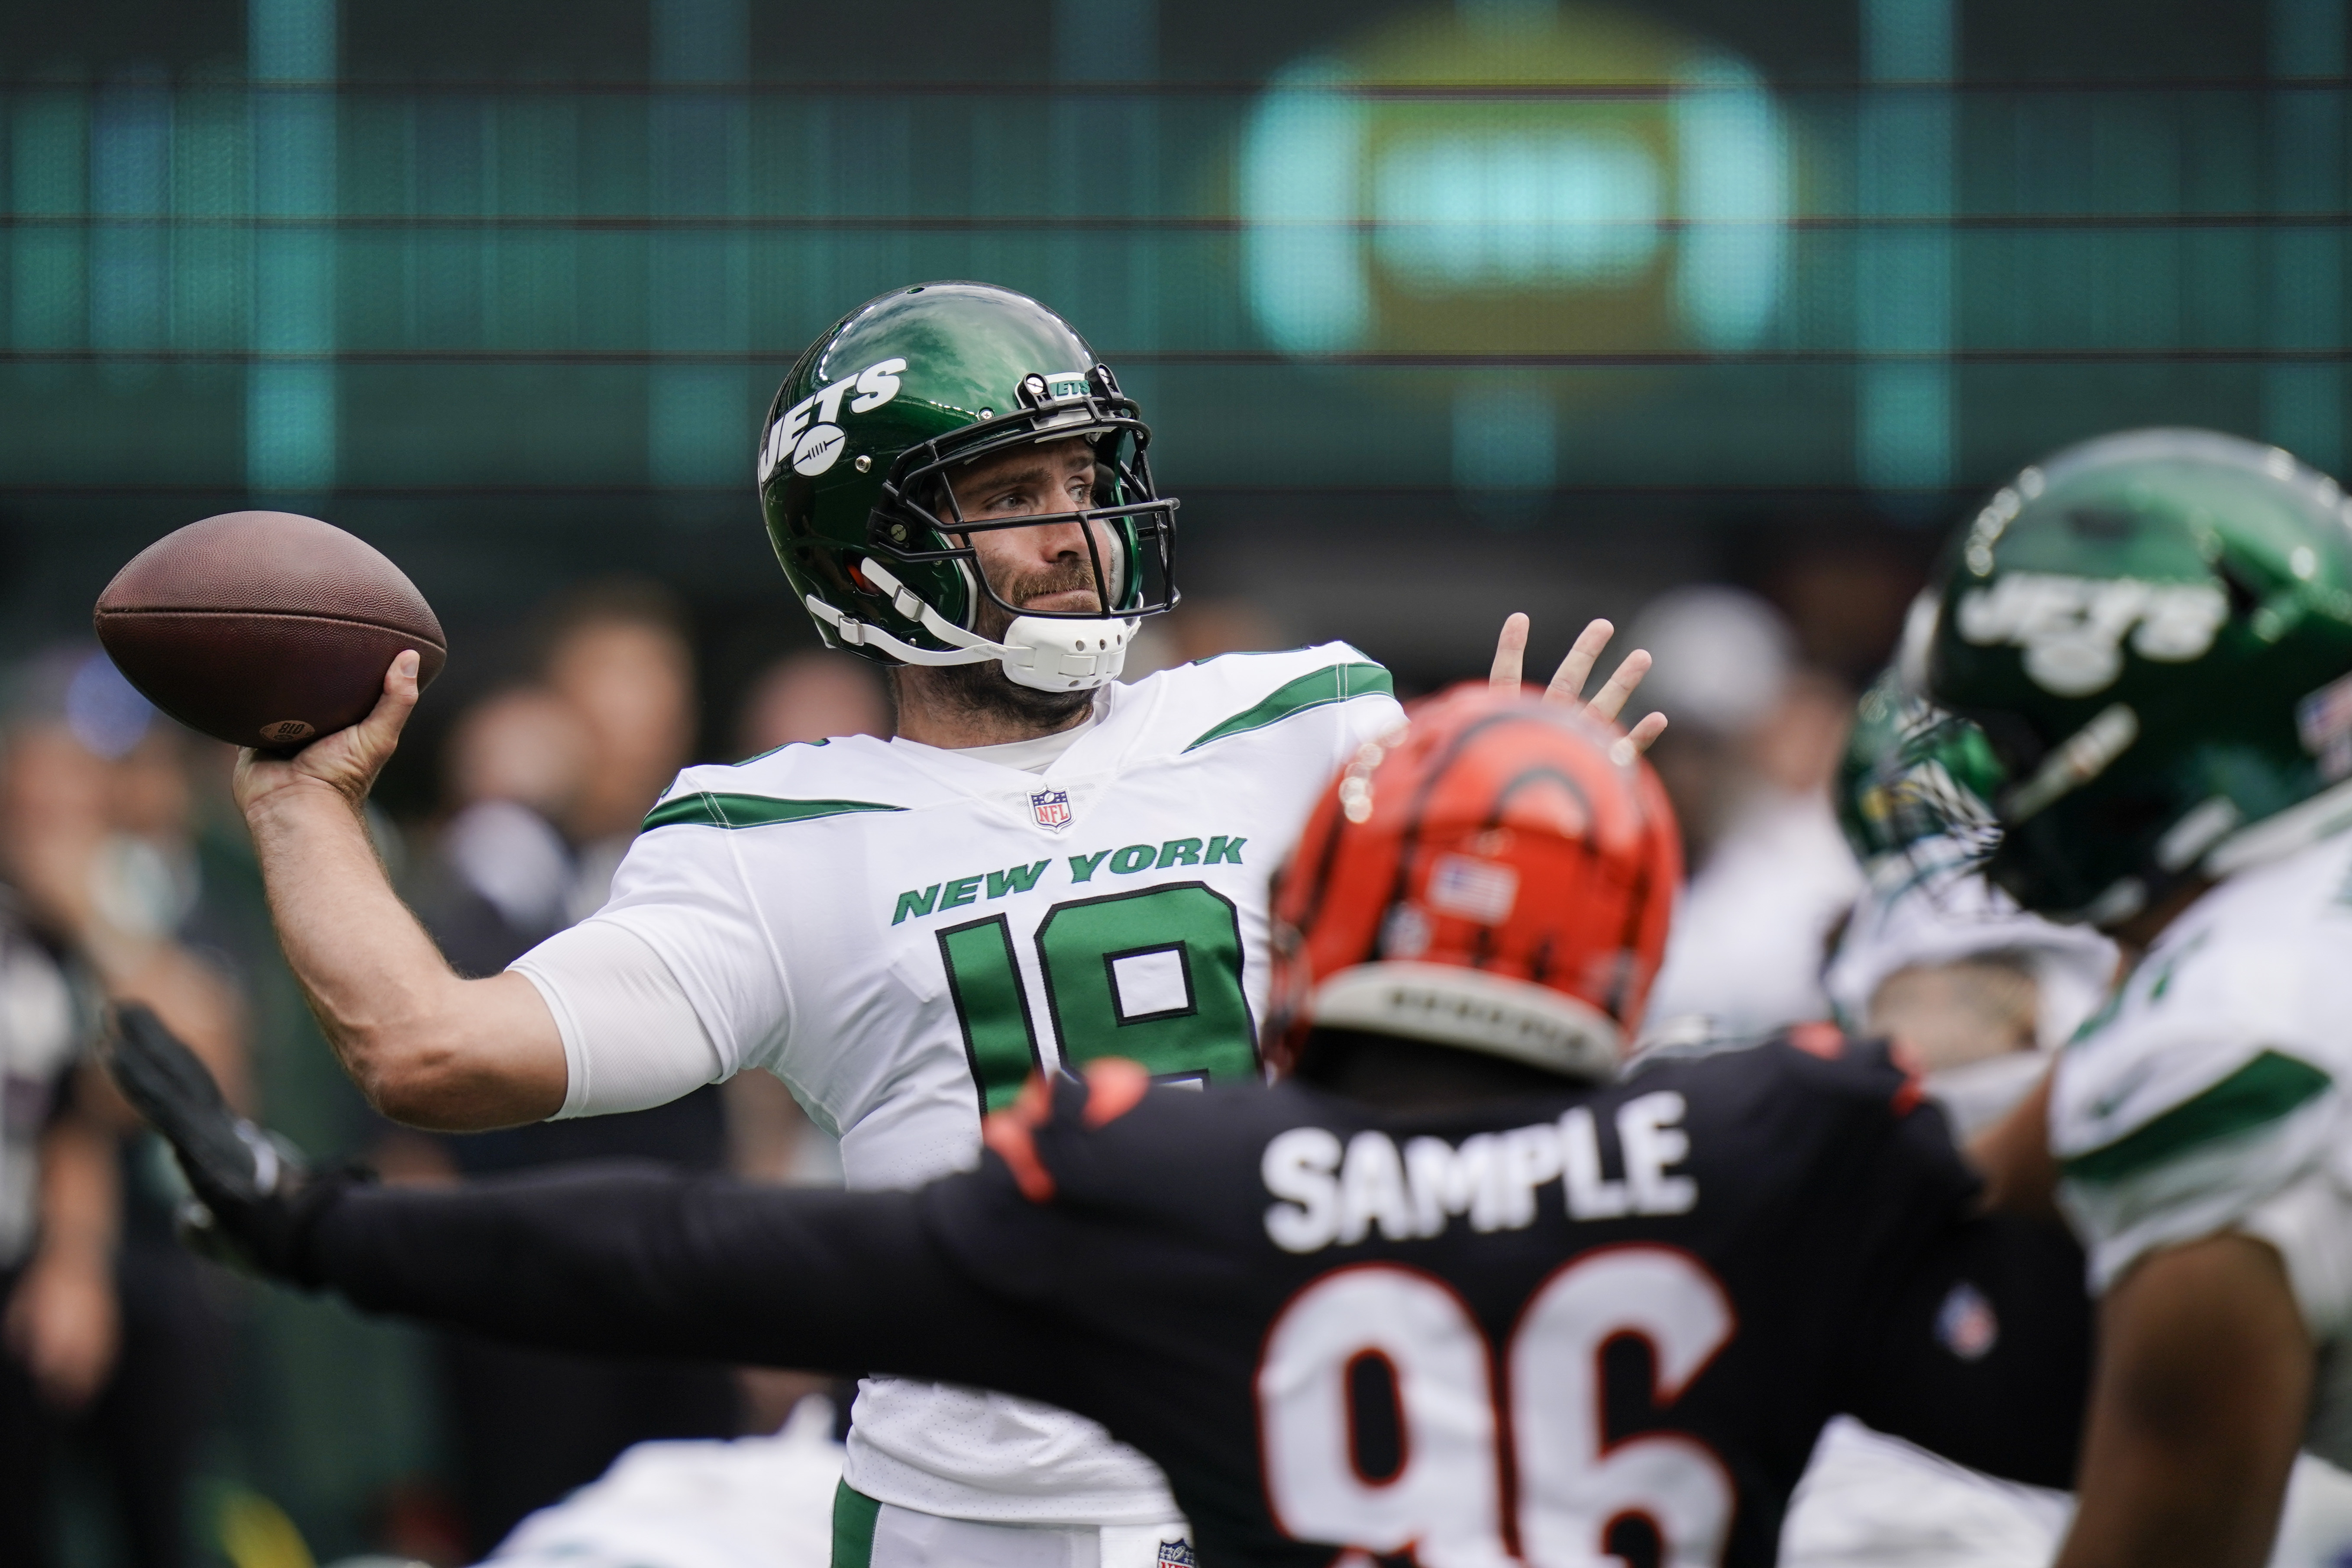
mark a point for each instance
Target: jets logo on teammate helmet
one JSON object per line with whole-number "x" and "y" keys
{"x": 1498, "y": 877}
{"x": 1914, "y": 776}
{"x": 2153, "y": 630}
{"x": 855, "y": 457}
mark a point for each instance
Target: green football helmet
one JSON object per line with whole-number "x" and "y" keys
{"x": 1914, "y": 780}
{"x": 2153, "y": 630}
{"x": 854, "y": 469}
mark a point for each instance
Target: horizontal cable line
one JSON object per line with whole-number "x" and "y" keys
{"x": 767, "y": 88}
{"x": 1171, "y": 222}
{"x": 1729, "y": 491}
{"x": 1631, "y": 359}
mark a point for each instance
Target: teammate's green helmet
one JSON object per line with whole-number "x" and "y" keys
{"x": 852, "y": 477}
{"x": 1913, "y": 775}
{"x": 2153, "y": 630}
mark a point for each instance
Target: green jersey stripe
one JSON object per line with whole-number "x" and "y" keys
{"x": 2263, "y": 1090}
{"x": 1332, "y": 683}
{"x": 711, "y": 809}
{"x": 854, "y": 1517}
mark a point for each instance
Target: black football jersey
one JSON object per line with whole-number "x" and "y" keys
{"x": 1608, "y": 1321}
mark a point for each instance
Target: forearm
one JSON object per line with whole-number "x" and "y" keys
{"x": 81, "y": 1201}
{"x": 424, "y": 1045}
{"x": 644, "y": 1262}
{"x": 2201, "y": 1392}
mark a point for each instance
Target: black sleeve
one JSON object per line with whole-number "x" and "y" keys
{"x": 1981, "y": 1351}
{"x": 637, "y": 1260}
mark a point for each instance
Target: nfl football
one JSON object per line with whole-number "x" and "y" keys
{"x": 264, "y": 629}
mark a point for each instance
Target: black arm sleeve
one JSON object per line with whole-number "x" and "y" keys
{"x": 1981, "y": 1351}
{"x": 639, "y": 1260}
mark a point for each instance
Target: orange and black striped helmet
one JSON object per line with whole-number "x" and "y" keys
{"x": 1497, "y": 875}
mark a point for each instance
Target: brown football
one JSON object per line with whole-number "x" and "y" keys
{"x": 264, "y": 628}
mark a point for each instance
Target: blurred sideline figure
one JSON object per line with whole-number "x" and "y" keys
{"x": 110, "y": 1339}
{"x": 811, "y": 695}
{"x": 1201, "y": 629}
{"x": 1748, "y": 762}
{"x": 60, "y": 1219}
{"x": 618, "y": 651}
{"x": 546, "y": 783}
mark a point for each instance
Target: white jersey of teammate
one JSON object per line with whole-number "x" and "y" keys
{"x": 2268, "y": 976}
{"x": 2209, "y": 1094}
{"x": 903, "y": 934}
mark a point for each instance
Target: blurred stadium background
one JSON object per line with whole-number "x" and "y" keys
{"x": 1438, "y": 310}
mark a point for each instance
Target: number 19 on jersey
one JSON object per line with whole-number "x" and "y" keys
{"x": 1154, "y": 976}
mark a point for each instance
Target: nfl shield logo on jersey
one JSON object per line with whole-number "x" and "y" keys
{"x": 1966, "y": 1325}
{"x": 1176, "y": 1555}
{"x": 1051, "y": 807}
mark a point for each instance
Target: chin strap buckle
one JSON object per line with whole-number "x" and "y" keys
{"x": 1057, "y": 655}
{"x": 1047, "y": 653}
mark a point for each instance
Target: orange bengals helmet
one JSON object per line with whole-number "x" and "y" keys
{"x": 1496, "y": 876}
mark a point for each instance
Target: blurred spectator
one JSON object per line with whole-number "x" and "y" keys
{"x": 546, "y": 785}
{"x": 59, "y": 1215}
{"x": 1747, "y": 760}
{"x": 1201, "y": 628}
{"x": 618, "y": 652}
{"x": 517, "y": 761}
{"x": 108, "y": 1324}
{"x": 811, "y": 696}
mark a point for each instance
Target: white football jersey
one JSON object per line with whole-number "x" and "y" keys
{"x": 903, "y": 934}
{"x": 2208, "y": 1095}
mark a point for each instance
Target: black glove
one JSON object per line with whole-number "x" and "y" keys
{"x": 256, "y": 1200}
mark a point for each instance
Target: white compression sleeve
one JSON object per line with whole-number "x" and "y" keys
{"x": 631, "y": 1038}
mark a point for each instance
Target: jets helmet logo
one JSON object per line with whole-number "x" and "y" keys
{"x": 2071, "y": 628}
{"x": 814, "y": 448}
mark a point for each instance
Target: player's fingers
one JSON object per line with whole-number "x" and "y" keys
{"x": 1610, "y": 700}
{"x": 1631, "y": 745}
{"x": 399, "y": 700}
{"x": 400, "y": 676}
{"x": 1510, "y": 654}
{"x": 368, "y": 744}
{"x": 1568, "y": 681}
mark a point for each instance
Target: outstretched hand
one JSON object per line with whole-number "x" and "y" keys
{"x": 254, "y": 1194}
{"x": 1568, "y": 681}
{"x": 346, "y": 761}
